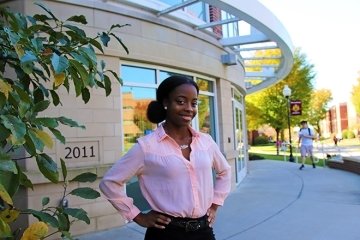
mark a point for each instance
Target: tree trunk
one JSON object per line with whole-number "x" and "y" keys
{"x": 277, "y": 141}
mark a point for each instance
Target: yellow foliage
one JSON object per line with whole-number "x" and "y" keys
{"x": 9, "y": 215}
{"x": 5, "y": 88}
{"x": 19, "y": 50}
{"x": 4, "y": 195}
{"x": 45, "y": 138}
{"x": 35, "y": 231}
{"x": 59, "y": 79}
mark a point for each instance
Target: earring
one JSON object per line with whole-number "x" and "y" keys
{"x": 165, "y": 107}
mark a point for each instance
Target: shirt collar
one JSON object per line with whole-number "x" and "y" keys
{"x": 161, "y": 134}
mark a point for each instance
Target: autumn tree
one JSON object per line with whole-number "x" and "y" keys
{"x": 318, "y": 107}
{"x": 270, "y": 106}
{"x": 355, "y": 96}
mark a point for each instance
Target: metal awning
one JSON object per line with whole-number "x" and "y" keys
{"x": 265, "y": 50}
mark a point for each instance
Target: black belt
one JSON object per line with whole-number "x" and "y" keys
{"x": 189, "y": 224}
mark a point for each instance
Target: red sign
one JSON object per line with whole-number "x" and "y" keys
{"x": 295, "y": 107}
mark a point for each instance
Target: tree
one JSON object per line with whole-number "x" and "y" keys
{"x": 318, "y": 107}
{"x": 355, "y": 96}
{"x": 38, "y": 55}
{"x": 269, "y": 105}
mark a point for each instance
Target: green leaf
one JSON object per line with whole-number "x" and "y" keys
{"x": 104, "y": 37}
{"x": 59, "y": 63}
{"x": 38, "y": 144}
{"x": 85, "y": 177}
{"x": 45, "y": 201}
{"x": 78, "y": 213}
{"x": 46, "y": 122}
{"x": 120, "y": 41}
{"x": 46, "y": 9}
{"x": 58, "y": 135}
{"x": 29, "y": 145}
{"x": 4, "y": 133}
{"x": 24, "y": 96}
{"x": 14, "y": 38}
{"x": 64, "y": 223}
{"x": 41, "y": 17}
{"x": 107, "y": 83}
{"x": 28, "y": 57}
{"x": 78, "y": 19}
{"x": 41, "y": 106}
{"x": 79, "y": 31}
{"x": 85, "y": 93}
{"x": 80, "y": 69}
{"x": 47, "y": 167}
{"x": 63, "y": 168}
{"x": 17, "y": 128}
{"x": 96, "y": 44}
{"x": 5, "y": 231}
{"x": 69, "y": 122}
{"x": 8, "y": 166}
{"x": 116, "y": 76}
{"x": 45, "y": 217}
{"x": 55, "y": 97}
{"x": 24, "y": 180}
{"x": 85, "y": 192}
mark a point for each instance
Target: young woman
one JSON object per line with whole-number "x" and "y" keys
{"x": 174, "y": 165}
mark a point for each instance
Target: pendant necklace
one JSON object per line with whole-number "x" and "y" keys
{"x": 183, "y": 146}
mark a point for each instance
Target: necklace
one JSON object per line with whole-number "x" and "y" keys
{"x": 183, "y": 146}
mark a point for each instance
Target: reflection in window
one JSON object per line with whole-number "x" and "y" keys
{"x": 132, "y": 74}
{"x": 135, "y": 123}
{"x": 205, "y": 85}
{"x": 206, "y": 115}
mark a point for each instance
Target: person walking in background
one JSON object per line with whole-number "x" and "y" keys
{"x": 306, "y": 137}
{"x": 174, "y": 165}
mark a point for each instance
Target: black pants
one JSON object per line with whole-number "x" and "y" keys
{"x": 176, "y": 233}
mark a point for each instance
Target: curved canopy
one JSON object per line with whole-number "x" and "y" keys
{"x": 249, "y": 32}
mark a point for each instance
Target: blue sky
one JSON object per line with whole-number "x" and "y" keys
{"x": 328, "y": 32}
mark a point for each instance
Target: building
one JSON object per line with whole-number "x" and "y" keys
{"x": 341, "y": 117}
{"x": 231, "y": 48}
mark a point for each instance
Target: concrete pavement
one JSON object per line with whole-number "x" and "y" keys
{"x": 278, "y": 201}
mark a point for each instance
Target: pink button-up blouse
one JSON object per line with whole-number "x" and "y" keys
{"x": 169, "y": 182}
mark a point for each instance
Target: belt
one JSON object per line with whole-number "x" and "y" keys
{"x": 189, "y": 224}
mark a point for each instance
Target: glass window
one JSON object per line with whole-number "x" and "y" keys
{"x": 205, "y": 85}
{"x": 135, "y": 123}
{"x": 164, "y": 74}
{"x": 197, "y": 10}
{"x": 130, "y": 74}
{"x": 206, "y": 115}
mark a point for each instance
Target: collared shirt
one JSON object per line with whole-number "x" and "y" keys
{"x": 169, "y": 182}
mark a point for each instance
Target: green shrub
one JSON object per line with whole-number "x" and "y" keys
{"x": 260, "y": 140}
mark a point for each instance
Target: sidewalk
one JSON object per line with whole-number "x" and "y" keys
{"x": 277, "y": 201}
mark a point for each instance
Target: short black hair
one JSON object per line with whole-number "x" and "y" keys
{"x": 303, "y": 122}
{"x": 155, "y": 111}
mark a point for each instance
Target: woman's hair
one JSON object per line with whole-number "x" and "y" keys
{"x": 155, "y": 111}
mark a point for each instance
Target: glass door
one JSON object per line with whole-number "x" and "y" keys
{"x": 240, "y": 140}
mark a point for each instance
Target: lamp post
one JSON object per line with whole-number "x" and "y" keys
{"x": 287, "y": 93}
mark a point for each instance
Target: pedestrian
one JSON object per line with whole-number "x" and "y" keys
{"x": 174, "y": 165}
{"x": 335, "y": 139}
{"x": 306, "y": 137}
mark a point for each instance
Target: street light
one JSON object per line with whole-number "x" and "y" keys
{"x": 287, "y": 93}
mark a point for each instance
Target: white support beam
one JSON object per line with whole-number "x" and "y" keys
{"x": 248, "y": 39}
{"x": 260, "y": 58}
{"x": 213, "y": 24}
{"x": 256, "y": 48}
{"x": 176, "y": 7}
